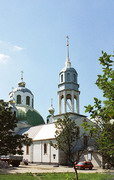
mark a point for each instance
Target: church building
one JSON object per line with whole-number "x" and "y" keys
{"x": 42, "y": 134}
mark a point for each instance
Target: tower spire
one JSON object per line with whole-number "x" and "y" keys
{"x": 67, "y": 63}
{"x": 67, "y": 44}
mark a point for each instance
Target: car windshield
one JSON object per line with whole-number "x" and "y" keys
{"x": 80, "y": 163}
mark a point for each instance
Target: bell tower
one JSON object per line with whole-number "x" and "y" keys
{"x": 68, "y": 87}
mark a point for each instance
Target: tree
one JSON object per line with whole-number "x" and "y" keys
{"x": 67, "y": 135}
{"x": 10, "y": 143}
{"x": 103, "y": 111}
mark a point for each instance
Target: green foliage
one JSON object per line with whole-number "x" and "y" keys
{"x": 67, "y": 132}
{"x": 10, "y": 143}
{"x": 106, "y": 82}
{"x": 103, "y": 111}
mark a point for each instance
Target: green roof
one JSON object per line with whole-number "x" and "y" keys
{"x": 31, "y": 116}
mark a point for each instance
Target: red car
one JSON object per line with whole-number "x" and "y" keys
{"x": 84, "y": 165}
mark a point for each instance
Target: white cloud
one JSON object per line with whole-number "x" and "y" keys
{"x": 10, "y": 46}
{"x": 17, "y": 48}
{"x": 4, "y": 58}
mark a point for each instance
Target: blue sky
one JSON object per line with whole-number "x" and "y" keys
{"x": 33, "y": 39}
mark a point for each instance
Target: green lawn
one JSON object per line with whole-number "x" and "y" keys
{"x": 56, "y": 176}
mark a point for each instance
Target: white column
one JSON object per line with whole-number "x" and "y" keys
{"x": 64, "y": 102}
{"x": 77, "y": 104}
{"x": 72, "y": 101}
{"x": 41, "y": 145}
{"x": 59, "y": 104}
{"x": 49, "y": 153}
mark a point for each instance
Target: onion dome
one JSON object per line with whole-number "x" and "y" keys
{"x": 21, "y": 84}
{"x": 21, "y": 95}
{"x": 51, "y": 109}
{"x": 23, "y": 100}
{"x": 29, "y": 116}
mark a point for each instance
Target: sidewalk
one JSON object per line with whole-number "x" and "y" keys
{"x": 34, "y": 168}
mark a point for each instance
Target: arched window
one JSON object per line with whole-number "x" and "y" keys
{"x": 74, "y": 77}
{"x": 45, "y": 148}
{"x": 62, "y": 78}
{"x": 27, "y": 149}
{"x": 85, "y": 140}
{"x": 27, "y": 100}
{"x": 32, "y": 102}
{"x": 14, "y": 113}
{"x": 68, "y": 76}
{"x": 18, "y": 99}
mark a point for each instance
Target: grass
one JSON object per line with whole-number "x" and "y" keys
{"x": 56, "y": 176}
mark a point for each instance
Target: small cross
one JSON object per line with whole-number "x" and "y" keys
{"x": 67, "y": 40}
{"x": 51, "y": 101}
{"x": 22, "y": 75}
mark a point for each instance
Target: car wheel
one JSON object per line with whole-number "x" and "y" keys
{"x": 90, "y": 168}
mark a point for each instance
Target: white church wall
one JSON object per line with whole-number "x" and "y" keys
{"x": 37, "y": 156}
{"x": 46, "y": 152}
{"x": 79, "y": 119}
{"x": 23, "y": 96}
{"x": 54, "y": 154}
{"x": 37, "y": 153}
{"x": 51, "y": 156}
{"x": 26, "y": 154}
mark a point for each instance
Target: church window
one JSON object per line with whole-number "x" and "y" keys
{"x": 85, "y": 140}
{"x": 32, "y": 102}
{"x": 74, "y": 77}
{"x": 27, "y": 149}
{"x": 45, "y": 148}
{"x": 62, "y": 78}
{"x": 18, "y": 99}
{"x": 27, "y": 100}
{"x": 14, "y": 113}
{"x": 68, "y": 76}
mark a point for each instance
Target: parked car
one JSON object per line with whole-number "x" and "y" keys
{"x": 84, "y": 165}
{"x": 12, "y": 159}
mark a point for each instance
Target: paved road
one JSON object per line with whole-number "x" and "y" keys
{"x": 34, "y": 168}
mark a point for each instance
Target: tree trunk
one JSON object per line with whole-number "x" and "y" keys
{"x": 76, "y": 173}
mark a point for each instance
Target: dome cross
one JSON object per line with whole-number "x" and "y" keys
{"x": 67, "y": 63}
{"x": 22, "y": 75}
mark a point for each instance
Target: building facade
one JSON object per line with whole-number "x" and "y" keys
{"x": 43, "y": 135}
